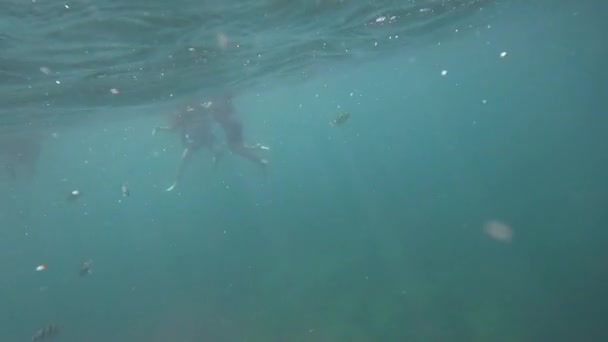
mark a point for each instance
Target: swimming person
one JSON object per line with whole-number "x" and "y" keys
{"x": 196, "y": 131}
{"x": 223, "y": 112}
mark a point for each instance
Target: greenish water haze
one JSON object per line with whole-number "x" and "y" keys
{"x": 372, "y": 231}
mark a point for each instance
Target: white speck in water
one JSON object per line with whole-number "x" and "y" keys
{"x": 57, "y": 82}
{"x": 499, "y": 231}
{"x": 444, "y": 72}
{"x": 503, "y": 54}
{"x": 484, "y": 101}
{"x": 352, "y": 94}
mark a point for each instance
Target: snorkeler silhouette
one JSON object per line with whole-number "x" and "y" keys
{"x": 195, "y": 129}
{"x": 224, "y": 113}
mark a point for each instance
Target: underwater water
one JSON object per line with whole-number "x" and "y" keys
{"x": 464, "y": 199}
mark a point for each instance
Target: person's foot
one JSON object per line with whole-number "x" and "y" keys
{"x": 172, "y": 187}
{"x": 263, "y": 164}
{"x": 259, "y": 146}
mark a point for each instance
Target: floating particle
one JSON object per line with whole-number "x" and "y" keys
{"x": 498, "y": 231}
{"x": 222, "y": 40}
{"x": 484, "y": 101}
{"x": 444, "y": 72}
{"x": 114, "y": 91}
{"x": 48, "y": 332}
{"x": 40, "y": 267}
{"x": 74, "y": 195}
{"x": 58, "y": 82}
{"x": 341, "y": 119}
{"x": 45, "y": 70}
{"x": 125, "y": 190}
{"x": 85, "y": 268}
{"x": 503, "y": 54}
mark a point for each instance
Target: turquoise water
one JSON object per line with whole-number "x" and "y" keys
{"x": 370, "y": 231}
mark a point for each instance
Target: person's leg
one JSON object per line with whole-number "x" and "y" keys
{"x": 183, "y": 163}
{"x": 234, "y": 135}
{"x": 162, "y": 129}
{"x": 216, "y": 152}
{"x": 258, "y": 146}
{"x": 247, "y": 152}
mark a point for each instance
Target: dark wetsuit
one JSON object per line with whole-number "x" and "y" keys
{"x": 225, "y": 115}
{"x": 198, "y": 134}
